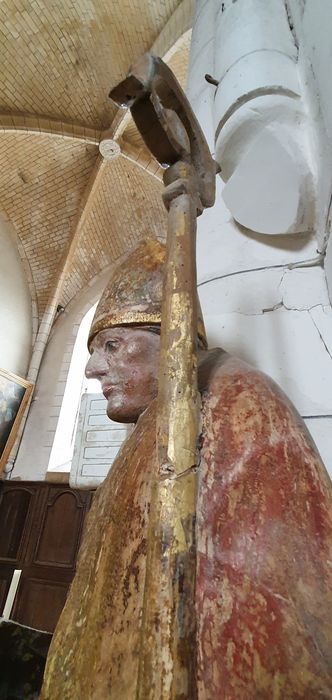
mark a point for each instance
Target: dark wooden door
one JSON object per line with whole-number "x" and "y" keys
{"x": 40, "y": 532}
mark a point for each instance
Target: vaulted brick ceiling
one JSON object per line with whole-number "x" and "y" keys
{"x": 74, "y": 214}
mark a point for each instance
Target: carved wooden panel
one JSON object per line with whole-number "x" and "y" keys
{"x": 15, "y": 509}
{"x": 4, "y": 587}
{"x": 60, "y": 532}
{"x": 40, "y": 602}
{"x": 41, "y": 528}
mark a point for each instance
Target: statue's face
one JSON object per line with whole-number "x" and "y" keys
{"x": 125, "y": 360}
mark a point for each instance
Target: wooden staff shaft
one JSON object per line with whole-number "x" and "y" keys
{"x": 167, "y": 668}
{"x": 168, "y": 634}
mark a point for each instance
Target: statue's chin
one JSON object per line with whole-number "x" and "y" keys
{"x": 122, "y": 413}
{"x": 126, "y": 407}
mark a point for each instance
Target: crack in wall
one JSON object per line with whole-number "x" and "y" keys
{"x": 310, "y": 262}
{"x": 291, "y": 25}
{"x": 320, "y": 335}
{"x": 323, "y": 415}
{"x": 242, "y": 272}
{"x": 307, "y": 309}
{"x": 276, "y": 307}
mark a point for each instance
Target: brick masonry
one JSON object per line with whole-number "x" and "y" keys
{"x": 59, "y": 63}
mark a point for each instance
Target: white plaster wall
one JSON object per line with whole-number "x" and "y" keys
{"x": 312, "y": 24}
{"x": 277, "y": 318}
{"x": 15, "y": 305}
{"x": 35, "y": 449}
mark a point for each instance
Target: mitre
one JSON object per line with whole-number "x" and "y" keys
{"x": 133, "y": 295}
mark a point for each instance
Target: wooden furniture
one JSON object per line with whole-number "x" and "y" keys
{"x": 41, "y": 528}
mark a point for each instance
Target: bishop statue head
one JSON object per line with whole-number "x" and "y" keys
{"x": 124, "y": 338}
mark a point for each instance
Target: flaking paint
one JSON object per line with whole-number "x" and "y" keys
{"x": 263, "y": 576}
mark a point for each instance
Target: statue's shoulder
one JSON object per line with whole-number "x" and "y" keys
{"x": 219, "y": 372}
{"x": 241, "y": 398}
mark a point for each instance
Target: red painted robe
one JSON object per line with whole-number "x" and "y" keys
{"x": 264, "y": 556}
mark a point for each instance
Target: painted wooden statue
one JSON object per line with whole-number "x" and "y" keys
{"x": 206, "y": 566}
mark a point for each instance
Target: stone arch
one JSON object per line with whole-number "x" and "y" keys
{"x": 35, "y": 449}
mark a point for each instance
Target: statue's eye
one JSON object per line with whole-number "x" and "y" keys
{"x": 110, "y": 346}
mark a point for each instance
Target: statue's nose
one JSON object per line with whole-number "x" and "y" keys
{"x": 96, "y": 366}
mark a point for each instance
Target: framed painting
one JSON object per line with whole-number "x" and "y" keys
{"x": 14, "y": 396}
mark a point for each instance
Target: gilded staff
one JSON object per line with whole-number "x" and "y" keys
{"x": 170, "y": 130}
